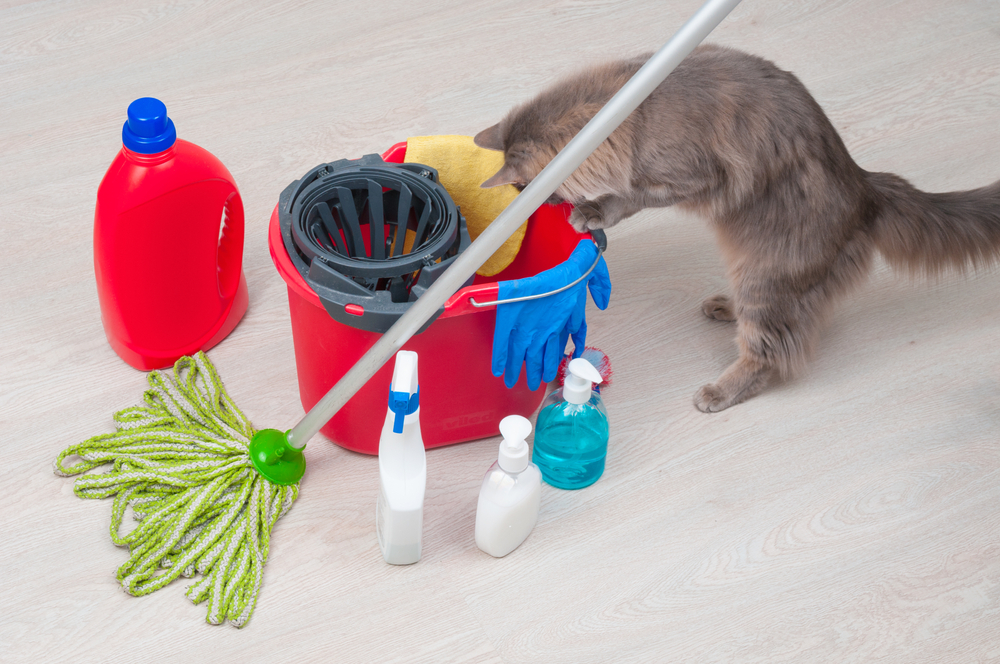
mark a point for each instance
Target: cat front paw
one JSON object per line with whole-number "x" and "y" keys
{"x": 719, "y": 307}
{"x": 711, "y": 399}
{"x": 586, "y": 216}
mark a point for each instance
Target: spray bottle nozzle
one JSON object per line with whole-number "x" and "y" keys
{"x": 402, "y": 404}
{"x": 404, "y": 393}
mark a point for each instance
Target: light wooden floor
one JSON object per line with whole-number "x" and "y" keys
{"x": 852, "y": 515}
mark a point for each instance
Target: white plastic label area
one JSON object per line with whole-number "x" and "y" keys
{"x": 402, "y": 470}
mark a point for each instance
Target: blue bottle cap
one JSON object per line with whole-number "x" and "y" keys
{"x": 148, "y": 129}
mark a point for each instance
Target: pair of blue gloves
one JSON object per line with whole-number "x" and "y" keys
{"x": 534, "y": 333}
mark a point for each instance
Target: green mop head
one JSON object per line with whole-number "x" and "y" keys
{"x": 182, "y": 463}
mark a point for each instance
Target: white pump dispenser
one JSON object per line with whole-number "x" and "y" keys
{"x": 511, "y": 492}
{"x": 580, "y": 381}
{"x": 402, "y": 468}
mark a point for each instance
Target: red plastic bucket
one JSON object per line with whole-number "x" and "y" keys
{"x": 460, "y": 398}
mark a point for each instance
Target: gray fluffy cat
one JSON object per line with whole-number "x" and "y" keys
{"x": 734, "y": 138}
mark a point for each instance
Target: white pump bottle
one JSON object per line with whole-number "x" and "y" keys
{"x": 511, "y": 492}
{"x": 402, "y": 468}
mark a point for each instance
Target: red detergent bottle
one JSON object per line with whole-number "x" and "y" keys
{"x": 168, "y": 244}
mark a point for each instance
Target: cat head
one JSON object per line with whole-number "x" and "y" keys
{"x": 533, "y": 134}
{"x": 524, "y": 159}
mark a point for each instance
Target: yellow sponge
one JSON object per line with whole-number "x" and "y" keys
{"x": 462, "y": 166}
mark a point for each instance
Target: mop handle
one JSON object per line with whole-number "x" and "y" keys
{"x": 561, "y": 167}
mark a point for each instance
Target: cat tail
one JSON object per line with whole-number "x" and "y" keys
{"x": 931, "y": 233}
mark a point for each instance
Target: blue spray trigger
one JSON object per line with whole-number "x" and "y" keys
{"x": 402, "y": 404}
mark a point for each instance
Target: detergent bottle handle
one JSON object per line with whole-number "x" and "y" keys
{"x": 230, "y": 249}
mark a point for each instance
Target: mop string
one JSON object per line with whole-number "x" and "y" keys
{"x": 141, "y": 441}
{"x": 139, "y": 576}
{"x": 180, "y": 461}
{"x": 115, "y": 481}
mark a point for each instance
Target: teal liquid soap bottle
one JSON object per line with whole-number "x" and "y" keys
{"x": 571, "y": 433}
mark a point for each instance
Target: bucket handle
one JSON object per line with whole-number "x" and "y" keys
{"x": 599, "y": 238}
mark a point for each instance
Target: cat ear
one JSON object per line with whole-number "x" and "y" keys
{"x": 491, "y": 139}
{"x": 505, "y": 175}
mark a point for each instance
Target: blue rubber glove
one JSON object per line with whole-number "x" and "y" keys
{"x": 534, "y": 333}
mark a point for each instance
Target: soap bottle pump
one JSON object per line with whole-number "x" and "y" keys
{"x": 571, "y": 433}
{"x": 511, "y": 492}
{"x": 402, "y": 468}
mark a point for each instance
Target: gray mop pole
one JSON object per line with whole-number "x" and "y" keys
{"x": 561, "y": 167}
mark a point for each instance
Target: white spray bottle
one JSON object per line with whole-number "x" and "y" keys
{"x": 511, "y": 492}
{"x": 402, "y": 468}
